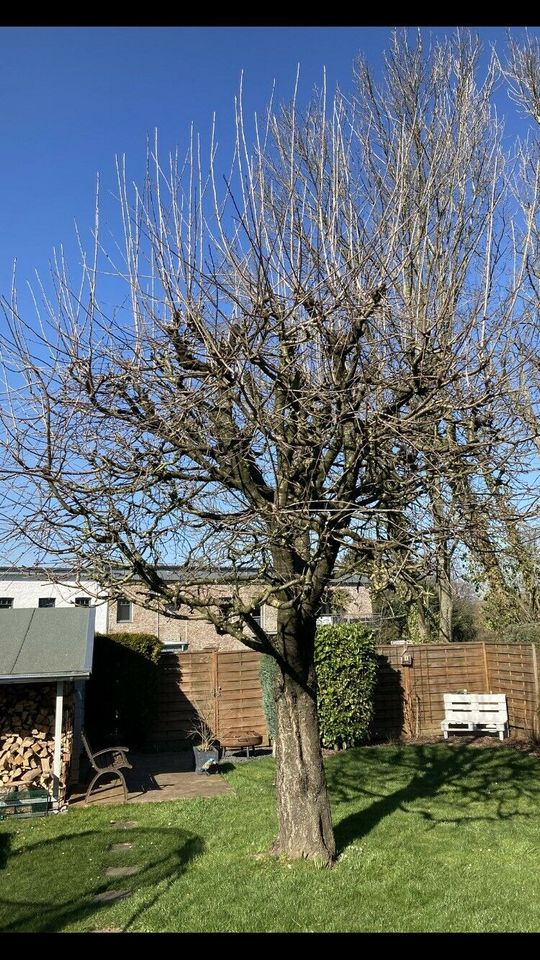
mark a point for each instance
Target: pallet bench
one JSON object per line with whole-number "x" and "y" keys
{"x": 477, "y": 712}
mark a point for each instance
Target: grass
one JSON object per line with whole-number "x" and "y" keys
{"x": 430, "y": 838}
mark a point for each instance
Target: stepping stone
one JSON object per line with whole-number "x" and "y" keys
{"x": 124, "y": 824}
{"x": 121, "y": 871}
{"x": 120, "y": 847}
{"x": 110, "y": 896}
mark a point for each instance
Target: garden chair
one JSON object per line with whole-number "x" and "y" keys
{"x": 114, "y": 763}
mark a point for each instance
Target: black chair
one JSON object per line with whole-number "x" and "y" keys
{"x": 116, "y": 762}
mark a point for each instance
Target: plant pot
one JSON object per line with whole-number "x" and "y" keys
{"x": 202, "y": 757}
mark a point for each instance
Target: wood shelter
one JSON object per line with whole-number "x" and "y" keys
{"x": 48, "y": 646}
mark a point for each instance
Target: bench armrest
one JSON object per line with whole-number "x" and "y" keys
{"x": 111, "y": 750}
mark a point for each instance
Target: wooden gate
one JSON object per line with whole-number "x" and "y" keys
{"x": 224, "y": 687}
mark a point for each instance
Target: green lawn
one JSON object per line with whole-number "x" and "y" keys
{"x": 431, "y": 838}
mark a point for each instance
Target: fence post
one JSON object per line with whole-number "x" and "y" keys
{"x": 408, "y": 714}
{"x": 215, "y": 692}
{"x": 486, "y": 671}
{"x": 536, "y": 695}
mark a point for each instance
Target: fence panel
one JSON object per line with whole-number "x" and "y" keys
{"x": 408, "y": 698}
{"x": 239, "y": 694}
{"x": 184, "y": 680}
{"x": 224, "y": 686}
{"x": 512, "y": 670}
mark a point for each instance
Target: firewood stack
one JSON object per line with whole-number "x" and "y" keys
{"x": 27, "y": 736}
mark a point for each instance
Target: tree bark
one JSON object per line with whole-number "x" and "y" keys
{"x": 444, "y": 587}
{"x": 305, "y": 823}
{"x": 424, "y": 633}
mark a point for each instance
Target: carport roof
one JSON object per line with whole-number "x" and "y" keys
{"x": 46, "y": 644}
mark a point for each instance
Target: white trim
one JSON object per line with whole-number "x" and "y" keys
{"x": 57, "y": 762}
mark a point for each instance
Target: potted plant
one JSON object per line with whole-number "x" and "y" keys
{"x": 205, "y": 748}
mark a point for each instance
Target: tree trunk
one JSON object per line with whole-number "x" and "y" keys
{"x": 305, "y": 823}
{"x": 444, "y": 586}
{"x": 424, "y": 633}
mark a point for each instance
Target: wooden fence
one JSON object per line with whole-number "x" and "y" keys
{"x": 408, "y": 695}
{"x": 225, "y": 687}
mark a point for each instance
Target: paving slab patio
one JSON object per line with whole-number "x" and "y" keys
{"x": 122, "y": 871}
{"x": 155, "y": 777}
{"x": 110, "y": 896}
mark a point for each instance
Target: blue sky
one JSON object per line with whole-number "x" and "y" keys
{"x": 73, "y": 97}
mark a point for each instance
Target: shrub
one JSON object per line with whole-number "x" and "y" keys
{"x": 520, "y": 633}
{"x": 465, "y": 620}
{"x": 346, "y": 666}
{"x": 268, "y": 675}
{"x": 122, "y": 693}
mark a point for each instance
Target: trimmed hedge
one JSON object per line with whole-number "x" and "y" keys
{"x": 122, "y": 693}
{"x": 346, "y": 666}
{"x": 268, "y": 674}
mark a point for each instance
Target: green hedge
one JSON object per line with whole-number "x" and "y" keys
{"x": 346, "y": 666}
{"x": 122, "y": 693}
{"x": 268, "y": 675}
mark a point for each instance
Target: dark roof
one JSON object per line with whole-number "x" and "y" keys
{"x": 46, "y": 644}
{"x": 43, "y": 574}
{"x": 174, "y": 572}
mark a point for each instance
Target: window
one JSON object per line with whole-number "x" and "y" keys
{"x": 173, "y": 647}
{"x": 123, "y": 611}
{"x": 46, "y": 602}
{"x": 6, "y": 603}
{"x": 256, "y": 614}
{"x": 82, "y": 601}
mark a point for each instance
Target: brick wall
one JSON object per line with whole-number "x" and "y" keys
{"x": 200, "y": 635}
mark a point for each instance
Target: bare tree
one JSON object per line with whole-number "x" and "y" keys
{"x": 295, "y": 365}
{"x": 521, "y": 70}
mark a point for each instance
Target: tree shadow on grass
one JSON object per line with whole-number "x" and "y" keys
{"x": 5, "y": 844}
{"x": 466, "y": 784}
{"x": 65, "y": 873}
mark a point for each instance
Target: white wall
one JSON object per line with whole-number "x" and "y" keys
{"x": 26, "y": 593}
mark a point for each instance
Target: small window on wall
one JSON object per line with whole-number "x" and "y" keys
{"x": 6, "y": 603}
{"x": 45, "y": 602}
{"x": 82, "y": 601}
{"x": 256, "y": 614}
{"x": 123, "y": 611}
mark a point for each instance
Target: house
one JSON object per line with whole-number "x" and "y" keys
{"x": 349, "y": 601}
{"x": 34, "y": 587}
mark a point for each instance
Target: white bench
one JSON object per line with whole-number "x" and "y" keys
{"x": 479, "y": 712}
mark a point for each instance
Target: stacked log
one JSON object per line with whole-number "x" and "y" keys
{"x": 27, "y": 714}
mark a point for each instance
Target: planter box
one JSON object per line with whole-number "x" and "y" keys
{"x": 203, "y": 757}
{"x": 29, "y": 802}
